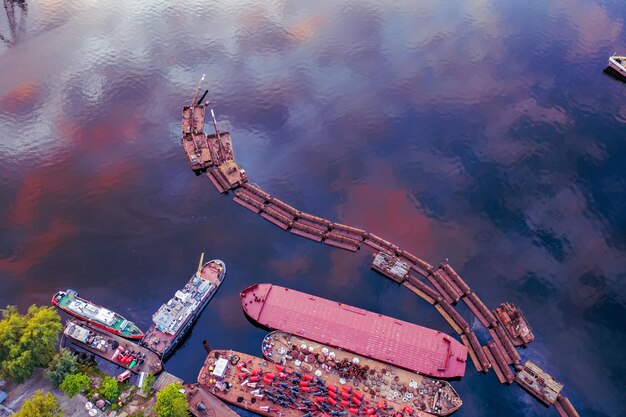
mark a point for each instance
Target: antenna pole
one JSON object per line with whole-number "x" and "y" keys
{"x": 195, "y": 93}
{"x": 217, "y": 133}
{"x": 200, "y": 264}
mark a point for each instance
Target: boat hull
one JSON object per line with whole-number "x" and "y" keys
{"x": 620, "y": 68}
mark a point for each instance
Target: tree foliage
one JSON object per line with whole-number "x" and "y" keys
{"x": 63, "y": 363}
{"x": 148, "y": 382}
{"x": 109, "y": 388}
{"x": 171, "y": 402}
{"x": 27, "y": 341}
{"x": 74, "y": 384}
{"x": 40, "y": 405}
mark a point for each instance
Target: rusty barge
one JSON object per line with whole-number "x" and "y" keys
{"x": 396, "y": 386}
{"x": 369, "y": 334}
{"x": 270, "y": 389}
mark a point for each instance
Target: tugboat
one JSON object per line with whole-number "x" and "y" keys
{"x": 174, "y": 318}
{"x": 71, "y": 303}
{"x": 270, "y": 389}
{"x": 400, "y": 388}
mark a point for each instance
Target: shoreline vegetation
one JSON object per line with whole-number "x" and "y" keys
{"x": 44, "y": 379}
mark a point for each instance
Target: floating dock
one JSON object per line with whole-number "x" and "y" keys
{"x": 383, "y": 338}
{"x": 538, "y": 383}
{"x": 113, "y": 348}
{"x": 377, "y": 380}
{"x": 515, "y": 324}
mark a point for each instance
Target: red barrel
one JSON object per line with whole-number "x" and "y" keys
{"x": 282, "y": 375}
{"x": 380, "y": 405}
{"x": 408, "y": 410}
{"x": 270, "y": 376}
{"x": 267, "y": 380}
{"x": 332, "y": 388}
{"x": 307, "y": 377}
{"x": 305, "y": 389}
{"x": 280, "y": 367}
{"x": 354, "y": 410}
{"x": 256, "y": 372}
{"x": 242, "y": 375}
{"x": 304, "y": 383}
{"x": 319, "y": 399}
{"x": 358, "y": 394}
{"x": 332, "y": 394}
{"x": 345, "y": 388}
{"x": 370, "y": 411}
{"x": 344, "y": 403}
{"x": 345, "y": 395}
{"x": 254, "y": 378}
{"x": 331, "y": 401}
{"x": 356, "y": 401}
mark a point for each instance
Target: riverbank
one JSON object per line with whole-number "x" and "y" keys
{"x": 73, "y": 407}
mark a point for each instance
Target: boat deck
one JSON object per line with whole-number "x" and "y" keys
{"x": 400, "y": 388}
{"x": 104, "y": 344}
{"x": 202, "y": 403}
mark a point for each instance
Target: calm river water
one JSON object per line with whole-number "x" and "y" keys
{"x": 484, "y": 132}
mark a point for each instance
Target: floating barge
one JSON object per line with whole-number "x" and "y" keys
{"x": 173, "y": 319}
{"x": 514, "y": 323}
{"x": 270, "y": 389}
{"x": 397, "y": 387}
{"x": 409, "y": 346}
{"x": 211, "y": 154}
{"x": 113, "y": 348}
{"x": 71, "y": 303}
{"x": 201, "y": 403}
{"x": 538, "y": 383}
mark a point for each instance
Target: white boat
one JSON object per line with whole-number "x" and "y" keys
{"x": 618, "y": 63}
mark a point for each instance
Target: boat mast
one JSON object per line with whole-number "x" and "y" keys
{"x": 200, "y": 265}
{"x": 217, "y": 133}
{"x": 191, "y": 114}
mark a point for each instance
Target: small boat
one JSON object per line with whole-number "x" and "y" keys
{"x": 71, "y": 303}
{"x": 618, "y": 63}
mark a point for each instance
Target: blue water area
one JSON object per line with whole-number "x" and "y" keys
{"x": 485, "y": 132}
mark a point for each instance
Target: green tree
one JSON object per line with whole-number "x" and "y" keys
{"x": 40, "y": 405}
{"x": 148, "y": 382}
{"x": 109, "y": 388}
{"x": 63, "y": 363}
{"x": 171, "y": 402}
{"x": 27, "y": 341}
{"x": 74, "y": 384}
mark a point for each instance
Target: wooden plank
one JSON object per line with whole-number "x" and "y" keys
{"x": 447, "y": 318}
{"x": 494, "y": 365}
{"x": 419, "y": 293}
{"x": 316, "y": 238}
{"x": 246, "y": 205}
{"x": 472, "y": 354}
{"x": 438, "y": 288}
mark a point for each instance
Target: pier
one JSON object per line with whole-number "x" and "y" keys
{"x": 441, "y": 287}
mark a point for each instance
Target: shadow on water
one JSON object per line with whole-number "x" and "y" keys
{"x": 611, "y": 73}
{"x": 16, "y": 12}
